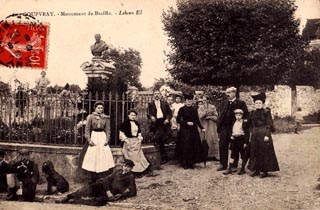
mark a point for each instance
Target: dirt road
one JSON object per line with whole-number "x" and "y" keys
{"x": 205, "y": 188}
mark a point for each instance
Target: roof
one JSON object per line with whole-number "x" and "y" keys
{"x": 312, "y": 29}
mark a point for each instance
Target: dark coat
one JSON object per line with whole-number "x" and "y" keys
{"x": 29, "y": 182}
{"x": 165, "y": 108}
{"x": 237, "y": 104}
{"x": 158, "y": 128}
{"x": 4, "y": 168}
{"x": 3, "y": 178}
{"x": 117, "y": 183}
{"x": 263, "y": 156}
{"x": 189, "y": 143}
{"x": 21, "y": 98}
{"x": 32, "y": 168}
{"x": 126, "y": 128}
{"x": 120, "y": 183}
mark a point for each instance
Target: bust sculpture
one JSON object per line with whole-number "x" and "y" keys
{"x": 98, "y": 47}
{"x": 100, "y": 65}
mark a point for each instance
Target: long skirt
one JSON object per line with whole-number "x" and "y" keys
{"x": 189, "y": 146}
{"x": 211, "y": 136}
{"x": 98, "y": 158}
{"x": 133, "y": 151}
{"x": 263, "y": 157}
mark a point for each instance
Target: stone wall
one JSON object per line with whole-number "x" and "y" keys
{"x": 65, "y": 159}
{"x": 279, "y": 100}
{"x": 308, "y": 99}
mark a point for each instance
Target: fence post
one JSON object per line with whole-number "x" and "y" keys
{"x": 116, "y": 120}
{"x": 10, "y": 112}
{"x": 123, "y": 107}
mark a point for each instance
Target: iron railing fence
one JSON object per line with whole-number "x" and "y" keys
{"x": 55, "y": 120}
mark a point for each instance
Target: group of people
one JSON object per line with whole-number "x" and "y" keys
{"x": 247, "y": 135}
{"x": 96, "y": 157}
{"x": 22, "y": 96}
{"x": 118, "y": 184}
{"x": 107, "y": 180}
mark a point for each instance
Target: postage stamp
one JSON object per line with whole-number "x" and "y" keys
{"x": 23, "y": 42}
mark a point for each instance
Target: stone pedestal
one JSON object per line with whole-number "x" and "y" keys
{"x": 98, "y": 67}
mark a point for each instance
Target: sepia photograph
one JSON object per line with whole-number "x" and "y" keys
{"x": 160, "y": 105}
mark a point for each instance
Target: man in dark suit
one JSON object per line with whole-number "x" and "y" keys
{"x": 225, "y": 123}
{"x": 3, "y": 172}
{"x": 160, "y": 114}
{"x": 13, "y": 177}
{"x": 118, "y": 185}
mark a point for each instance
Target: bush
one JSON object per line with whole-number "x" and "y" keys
{"x": 284, "y": 125}
{"x": 312, "y": 118}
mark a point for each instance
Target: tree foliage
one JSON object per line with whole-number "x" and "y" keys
{"x": 311, "y": 72}
{"x": 57, "y": 88}
{"x": 4, "y": 88}
{"x": 159, "y": 82}
{"x": 128, "y": 70}
{"x": 233, "y": 42}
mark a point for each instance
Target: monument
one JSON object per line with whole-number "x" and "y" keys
{"x": 99, "y": 66}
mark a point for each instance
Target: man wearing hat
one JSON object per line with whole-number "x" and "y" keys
{"x": 160, "y": 114}
{"x": 225, "y": 123}
{"x": 13, "y": 179}
{"x": 119, "y": 184}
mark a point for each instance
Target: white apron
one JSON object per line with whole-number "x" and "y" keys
{"x": 98, "y": 158}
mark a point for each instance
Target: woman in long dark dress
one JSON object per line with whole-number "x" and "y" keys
{"x": 263, "y": 157}
{"x": 189, "y": 138}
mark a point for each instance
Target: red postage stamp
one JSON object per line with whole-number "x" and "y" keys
{"x": 23, "y": 44}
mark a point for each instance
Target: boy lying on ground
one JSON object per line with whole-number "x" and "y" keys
{"x": 119, "y": 184}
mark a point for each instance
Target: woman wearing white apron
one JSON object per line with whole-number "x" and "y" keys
{"x": 130, "y": 134}
{"x": 97, "y": 155}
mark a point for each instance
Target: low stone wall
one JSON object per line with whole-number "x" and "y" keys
{"x": 65, "y": 159}
{"x": 279, "y": 100}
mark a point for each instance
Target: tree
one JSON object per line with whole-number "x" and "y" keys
{"x": 234, "y": 42}
{"x": 58, "y": 88}
{"x": 158, "y": 83}
{"x": 75, "y": 88}
{"x": 311, "y": 72}
{"x": 128, "y": 70}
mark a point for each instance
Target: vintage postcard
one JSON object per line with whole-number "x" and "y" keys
{"x": 58, "y": 61}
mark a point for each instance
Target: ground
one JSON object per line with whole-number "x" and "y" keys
{"x": 294, "y": 187}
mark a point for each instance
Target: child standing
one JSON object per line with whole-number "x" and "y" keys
{"x": 239, "y": 142}
{"x": 298, "y": 118}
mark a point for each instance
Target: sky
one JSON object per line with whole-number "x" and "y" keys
{"x": 70, "y": 37}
